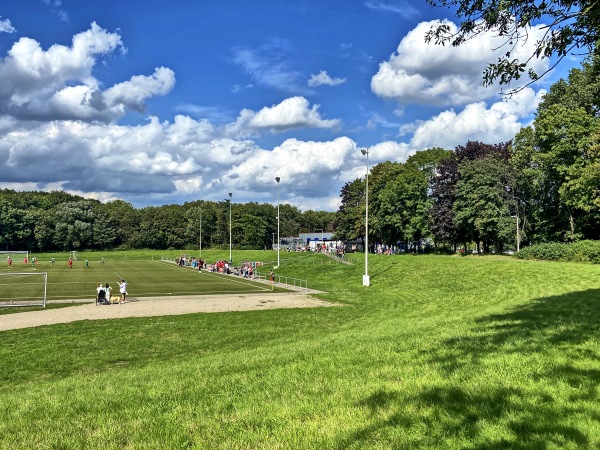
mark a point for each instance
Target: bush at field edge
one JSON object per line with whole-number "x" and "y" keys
{"x": 581, "y": 251}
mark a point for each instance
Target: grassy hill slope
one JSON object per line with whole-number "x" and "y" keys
{"x": 440, "y": 352}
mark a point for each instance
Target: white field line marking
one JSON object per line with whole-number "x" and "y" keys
{"x": 162, "y": 294}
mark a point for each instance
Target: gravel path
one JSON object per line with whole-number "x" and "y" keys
{"x": 159, "y": 306}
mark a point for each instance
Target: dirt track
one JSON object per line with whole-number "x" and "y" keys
{"x": 159, "y": 306}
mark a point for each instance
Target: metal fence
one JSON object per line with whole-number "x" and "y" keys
{"x": 287, "y": 282}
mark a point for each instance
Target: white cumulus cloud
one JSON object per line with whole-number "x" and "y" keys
{"x": 306, "y": 168}
{"x": 134, "y": 92}
{"x": 476, "y": 122}
{"x": 57, "y": 83}
{"x": 291, "y": 113}
{"x": 444, "y": 75}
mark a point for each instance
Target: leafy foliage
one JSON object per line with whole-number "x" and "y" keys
{"x": 482, "y": 207}
{"x": 466, "y": 195}
{"x": 559, "y": 162}
{"x": 349, "y": 217}
{"x": 573, "y": 25}
{"x": 53, "y": 221}
{"x": 581, "y": 251}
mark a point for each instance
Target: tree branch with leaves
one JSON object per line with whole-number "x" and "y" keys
{"x": 571, "y": 26}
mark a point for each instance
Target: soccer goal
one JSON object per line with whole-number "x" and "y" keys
{"x": 16, "y": 256}
{"x": 23, "y": 289}
{"x": 73, "y": 255}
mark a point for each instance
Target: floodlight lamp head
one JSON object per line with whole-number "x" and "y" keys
{"x": 277, "y": 179}
{"x": 230, "y": 194}
{"x": 364, "y": 151}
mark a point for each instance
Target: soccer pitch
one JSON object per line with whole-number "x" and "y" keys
{"x": 144, "y": 279}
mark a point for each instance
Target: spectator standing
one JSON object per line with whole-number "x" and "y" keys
{"x": 123, "y": 290}
{"x": 108, "y": 294}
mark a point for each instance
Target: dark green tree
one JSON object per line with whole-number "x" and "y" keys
{"x": 126, "y": 220}
{"x": 313, "y": 221}
{"x": 162, "y": 227}
{"x": 74, "y": 223}
{"x": 383, "y": 208}
{"x": 349, "y": 220}
{"x": 482, "y": 209}
{"x": 198, "y": 213}
{"x": 443, "y": 195}
{"x": 289, "y": 221}
{"x": 564, "y": 152}
{"x": 445, "y": 227}
{"x": 104, "y": 230}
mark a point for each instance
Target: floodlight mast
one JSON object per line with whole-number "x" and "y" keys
{"x": 366, "y": 280}
{"x": 230, "y": 259}
{"x": 278, "y": 239}
{"x": 200, "y": 233}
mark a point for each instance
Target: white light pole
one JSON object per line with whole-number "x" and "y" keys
{"x": 230, "y": 260}
{"x": 278, "y": 241}
{"x": 366, "y": 280}
{"x": 517, "y": 200}
{"x": 518, "y": 237}
{"x": 200, "y": 233}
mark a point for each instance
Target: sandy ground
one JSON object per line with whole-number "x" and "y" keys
{"x": 159, "y": 306}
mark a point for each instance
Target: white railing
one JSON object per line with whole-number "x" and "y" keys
{"x": 289, "y": 282}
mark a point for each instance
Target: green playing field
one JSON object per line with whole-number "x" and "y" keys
{"x": 144, "y": 279}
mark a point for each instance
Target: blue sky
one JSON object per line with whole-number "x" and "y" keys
{"x": 157, "y": 102}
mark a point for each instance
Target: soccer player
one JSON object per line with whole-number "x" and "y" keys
{"x": 70, "y": 263}
{"x": 9, "y": 259}
{"x": 87, "y": 264}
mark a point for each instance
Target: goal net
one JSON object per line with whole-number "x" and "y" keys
{"x": 23, "y": 289}
{"x": 17, "y": 257}
{"x": 73, "y": 255}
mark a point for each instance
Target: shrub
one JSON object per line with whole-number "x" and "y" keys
{"x": 581, "y": 251}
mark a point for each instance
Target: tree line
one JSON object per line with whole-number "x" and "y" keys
{"x": 544, "y": 186}
{"x": 51, "y": 221}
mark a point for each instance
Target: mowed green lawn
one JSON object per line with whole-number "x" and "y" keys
{"x": 440, "y": 352}
{"x": 145, "y": 277}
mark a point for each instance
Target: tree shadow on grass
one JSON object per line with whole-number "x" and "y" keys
{"x": 549, "y": 349}
{"x": 548, "y": 344}
{"x": 452, "y": 417}
{"x": 381, "y": 272}
{"x": 567, "y": 321}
